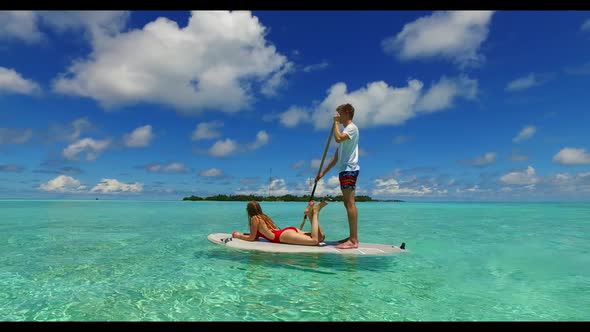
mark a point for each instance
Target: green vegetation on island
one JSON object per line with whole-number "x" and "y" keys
{"x": 284, "y": 198}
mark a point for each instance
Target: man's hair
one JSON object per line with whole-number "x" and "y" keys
{"x": 347, "y": 108}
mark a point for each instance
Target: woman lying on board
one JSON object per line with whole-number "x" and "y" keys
{"x": 262, "y": 225}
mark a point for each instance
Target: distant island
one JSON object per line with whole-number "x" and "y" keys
{"x": 284, "y": 198}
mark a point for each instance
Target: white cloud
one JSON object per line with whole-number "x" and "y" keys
{"x": 388, "y": 187}
{"x": 586, "y": 25}
{"x": 223, "y": 148}
{"x": 63, "y": 184}
{"x": 293, "y": 116}
{"x": 93, "y": 148}
{"x": 261, "y": 140}
{"x": 113, "y": 186}
{"x": 279, "y": 187}
{"x": 526, "y": 133}
{"x": 19, "y": 24}
{"x": 456, "y": 35}
{"x": 15, "y": 135}
{"x": 484, "y": 160}
{"x": 24, "y": 25}
{"x": 70, "y": 132}
{"x": 214, "y": 62}
{"x": 572, "y": 156}
{"x": 98, "y": 26}
{"x": 140, "y": 137}
{"x": 379, "y": 104}
{"x": 211, "y": 172}
{"x": 79, "y": 125}
{"x": 526, "y": 177}
{"x": 523, "y": 83}
{"x": 441, "y": 94}
{"x": 207, "y": 130}
{"x": 13, "y": 82}
{"x": 276, "y": 80}
{"x": 517, "y": 156}
{"x": 318, "y": 66}
{"x": 170, "y": 168}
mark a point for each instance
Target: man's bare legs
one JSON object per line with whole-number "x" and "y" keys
{"x": 349, "y": 203}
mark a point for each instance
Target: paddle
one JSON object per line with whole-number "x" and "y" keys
{"x": 319, "y": 171}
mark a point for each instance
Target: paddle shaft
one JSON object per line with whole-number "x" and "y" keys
{"x": 319, "y": 171}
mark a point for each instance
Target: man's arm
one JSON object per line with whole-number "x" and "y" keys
{"x": 339, "y": 136}
{"x": 330, "y": 165}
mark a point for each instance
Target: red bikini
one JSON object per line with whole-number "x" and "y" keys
{"x": 277, "y": 233}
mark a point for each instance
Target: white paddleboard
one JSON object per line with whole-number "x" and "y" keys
{"x": 327, "y": 247}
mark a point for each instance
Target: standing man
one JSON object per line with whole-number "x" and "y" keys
{"x": 346, "y": 157}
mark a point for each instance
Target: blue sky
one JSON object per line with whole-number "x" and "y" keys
{"x": 468, "y": 105}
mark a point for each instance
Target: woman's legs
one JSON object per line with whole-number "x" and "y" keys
{"x": 295, "y": 237}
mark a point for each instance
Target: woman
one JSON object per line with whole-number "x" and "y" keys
{"x": 262, "y": 225}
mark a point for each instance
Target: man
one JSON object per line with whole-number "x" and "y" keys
{"x": 346, "y": 157}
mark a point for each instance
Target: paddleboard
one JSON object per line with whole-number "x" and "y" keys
{"x": 327, "y": 247}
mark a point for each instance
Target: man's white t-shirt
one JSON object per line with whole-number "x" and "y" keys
{"x": 348, "y": 150}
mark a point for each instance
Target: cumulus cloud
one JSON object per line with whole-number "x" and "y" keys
{"x": 170, "y": 168}
{"x": 71, "y": 131}
{"x": 455, "y": 35}
{"x": 388, "y": 187}
{"x": 526, "y": 133}
{"x": 523, "y": 83}
{"x": 293, "y": 116}
{"x": 211, "y": 172}
{"x": 223, "y": 148}
{"x": 215, "y": 62}
{"x": 572, "y": 156}
{"x": 25, "y": 25}
{"x": 380, "y": 104}
{"x": 207, "y": 130}
{"x": 20, "y": 25}
{"x": 92, "y": 148}
{"x": 484, "y": 160}
{"x": 15, "y": 135}
{"x": 113, "y": 186}
{"x": 226, "y": 147}
{"x": 261, "y": 140}
{"x": 585, "y": 26}
{"x": 63, "y": 184}
{"x": 13, "y": 82}
{"x": 98, "y": 26}
{"x": 441, "y": 95}
{"x": 140, "y": 137}
{"x": 279, "y": 187}
{"x": 317, "y": 66}
{"x": 525, "y": 177}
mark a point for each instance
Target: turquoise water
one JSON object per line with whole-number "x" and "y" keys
{"x": 146, "y": 261}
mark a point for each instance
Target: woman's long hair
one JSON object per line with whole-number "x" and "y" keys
{"x": 254, "y": 209}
